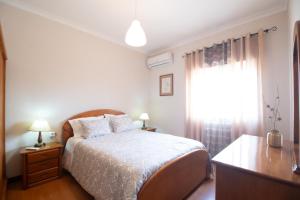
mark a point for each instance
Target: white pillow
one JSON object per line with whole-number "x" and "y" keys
{"x": 108, "y": 116}
{"x": 95, "y": 127}
{"x": 76, "y": 126}
{"x": 121, "y": 123}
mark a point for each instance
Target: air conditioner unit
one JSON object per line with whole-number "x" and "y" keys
{"x": 161, "y": 59}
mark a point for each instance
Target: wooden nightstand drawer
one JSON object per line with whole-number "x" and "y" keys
{"x": 39, "y": 166}
{"x": 43, "y": 175}
{"x": 44, "y": 155}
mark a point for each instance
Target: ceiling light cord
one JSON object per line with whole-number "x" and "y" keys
{"x": 135, "y": 9}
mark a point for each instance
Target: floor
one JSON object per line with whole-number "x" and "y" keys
{"x": 66, "y": 188}
{"x": 205, "y": 192}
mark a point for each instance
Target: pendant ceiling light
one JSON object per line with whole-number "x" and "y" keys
{"x": 135, "y": 35}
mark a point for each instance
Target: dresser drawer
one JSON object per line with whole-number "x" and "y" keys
{"x": 43, "y": 155}
{"x": 43, "y": 175}
{"x": 46, "y": 164}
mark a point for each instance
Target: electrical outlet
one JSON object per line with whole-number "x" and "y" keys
{"x": 52, "y": 135}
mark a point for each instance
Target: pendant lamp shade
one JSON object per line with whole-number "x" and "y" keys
{"x": 135, "y": 35}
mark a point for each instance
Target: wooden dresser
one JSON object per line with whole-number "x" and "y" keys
{"x": 41, "y": 165}
{"x": 249, "y": 169}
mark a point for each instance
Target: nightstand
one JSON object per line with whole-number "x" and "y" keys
{"x": 39, "y": 166}
{"x": 149, "y": 129}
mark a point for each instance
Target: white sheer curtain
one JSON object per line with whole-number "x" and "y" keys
{"x": 223, "y": 92}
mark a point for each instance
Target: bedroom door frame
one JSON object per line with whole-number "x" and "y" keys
{"x": 3, "y": 59}
{"x": 296, "y": 76}
{"x": 296, "y": 88}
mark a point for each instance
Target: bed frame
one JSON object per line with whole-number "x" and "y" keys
{"x": 175, "y": 180}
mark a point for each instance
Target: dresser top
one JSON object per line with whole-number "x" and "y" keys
{"x": 252, "y": 154}
{"x": 48, "y": 146}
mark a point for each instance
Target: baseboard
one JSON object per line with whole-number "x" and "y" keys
{"x": 4, "y": 187}
{"x": 14, "y": 179}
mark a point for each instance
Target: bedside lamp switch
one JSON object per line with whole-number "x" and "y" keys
{"x": 52, "y": 135}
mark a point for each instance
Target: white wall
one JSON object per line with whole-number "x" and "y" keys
{"x": 168, "y": 113}
{"x": 54, "y": 72}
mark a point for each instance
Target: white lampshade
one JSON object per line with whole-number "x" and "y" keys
{"x": 144, "y": 116}
{"x": 40, "y": 125}
{"x": 135, "y": 35}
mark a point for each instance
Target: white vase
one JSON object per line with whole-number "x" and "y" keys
{"x": 274, "y": 138}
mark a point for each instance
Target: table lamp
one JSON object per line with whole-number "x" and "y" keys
{"x": 40, "y": 126}
{"x": 144, "y": 117}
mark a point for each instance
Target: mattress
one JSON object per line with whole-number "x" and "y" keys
{"x": 115, "y": 166}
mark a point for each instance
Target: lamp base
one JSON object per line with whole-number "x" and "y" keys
{"x": 144, "y": 125}
{"x": 40, "y": 144}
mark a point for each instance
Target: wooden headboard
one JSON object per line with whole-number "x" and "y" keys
{"x": 67, "y": 131}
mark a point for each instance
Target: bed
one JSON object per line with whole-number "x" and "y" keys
{"x": 167, "y": 178}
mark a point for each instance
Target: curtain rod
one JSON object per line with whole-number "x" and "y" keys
{"x": 272, "y": 29}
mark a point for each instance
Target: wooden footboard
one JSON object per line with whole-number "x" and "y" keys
{"x": 177, "y": 179}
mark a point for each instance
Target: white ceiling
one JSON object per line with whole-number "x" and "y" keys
{"x": 166, "y": 22}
